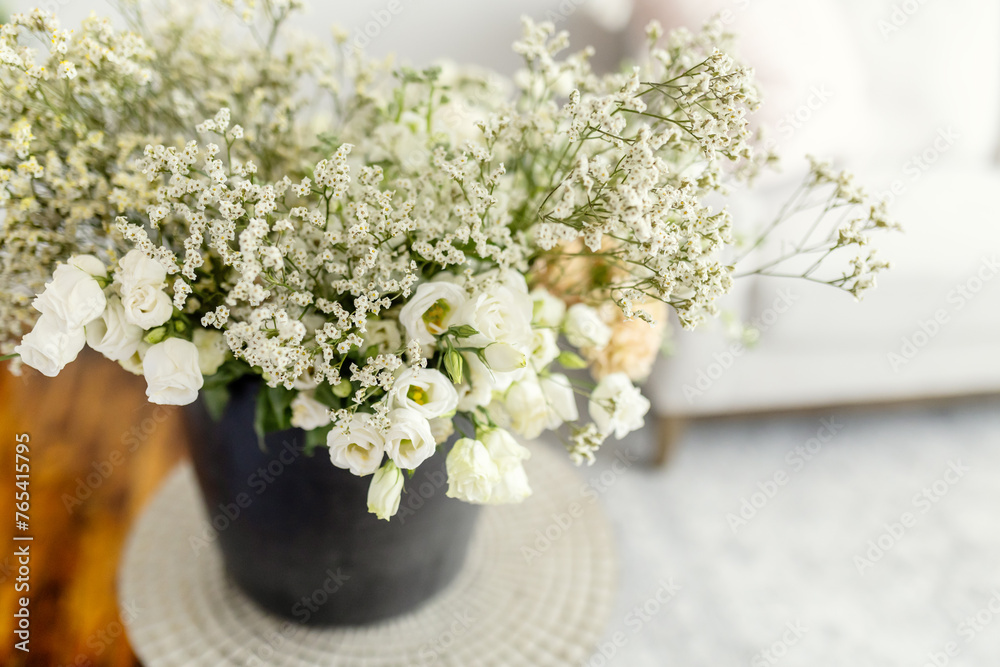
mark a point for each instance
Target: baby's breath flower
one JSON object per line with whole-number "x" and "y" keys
{"x": 311, "y": 252}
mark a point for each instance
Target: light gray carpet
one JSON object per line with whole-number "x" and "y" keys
{"x": 788, "y": 581}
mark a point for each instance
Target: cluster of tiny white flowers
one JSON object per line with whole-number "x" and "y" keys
{"x": 374, "y": 261}
{"x": 859, "y": 216}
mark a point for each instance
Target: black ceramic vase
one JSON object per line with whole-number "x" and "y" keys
{"x": 295, "y": 532}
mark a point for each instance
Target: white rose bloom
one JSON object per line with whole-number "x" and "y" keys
{"x": 585, "y": 328}
{"x": 559, "y": 399}
{"x": 425, "y": 390}
{"x": 212, "y": 349}
{"x": 172, "y": 373}
{"x": 472, "y": 474}
{"x": 431, "y": 310}
{"x": 508, "y": 455}
{"x": 385, "y": 491}
{"x": 409, "y": 441}
{"x": 618, "y": 407}
{"x": 147, "y": 306}
{"x": 500, "y": 314}
{"x": 503, "y": 357}
{"x": 73, "y": 297}
{"x": 358, "y": 448}
{"x": 136, "y": 270}
{"x": 548, "y": 310}
{"x": 112, "y": 335}
{"x": 442, "y": 428}
{"x": 48, "y": 347}
{"x": 544, "y": 348}
{"x": 526, "y": 405}
{"x": 308, "y": 413}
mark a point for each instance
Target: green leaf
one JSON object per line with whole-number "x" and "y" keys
{"x": 273, "y": 411}
{"x": 463, "y": 331}
{"x": 316, "y": 438}
{"x": 216, "y": 398}
{"x": 571, "y": 360}
{"x": 432, "y": 73}
{"x": 454, "y": 364}
{"x": 261, "y": 418}
{"x": 343, "y": 389}
{"x": 154, "y": 336}
{"x": 228, "y": 372}
{"x": 281, "y": 402}
{"x": 324, "y": 394}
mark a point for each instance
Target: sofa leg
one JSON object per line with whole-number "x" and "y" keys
{"x": 668, "y": 434}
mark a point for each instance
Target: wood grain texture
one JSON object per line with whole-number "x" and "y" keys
{"x": 98, "y": 451}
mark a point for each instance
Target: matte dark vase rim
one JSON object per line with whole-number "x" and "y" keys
{"x": 297, "y": 536}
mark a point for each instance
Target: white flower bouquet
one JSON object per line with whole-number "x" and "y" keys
{"x": 385, "y": 248}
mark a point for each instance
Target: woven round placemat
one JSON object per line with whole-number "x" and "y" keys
{"x": 537, "y": 588}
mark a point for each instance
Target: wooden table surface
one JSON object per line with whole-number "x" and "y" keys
{"x": 98, "y": 450}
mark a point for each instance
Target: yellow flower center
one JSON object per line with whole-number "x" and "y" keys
{"x": 418, "y": 395}
{"x": 435, "y": 316}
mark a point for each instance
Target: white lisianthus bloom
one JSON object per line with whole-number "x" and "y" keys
{"x": 111, "y": 334}
{"x": 383, "y": 335}
{"x": 136, "y": 270}
{"x": 172, "y": 373}
{"x": 73, "y": 296}
{"x": 544, "y": 348}
{"x": 472, "y": 474}
{"x": 403, "y": 142}
{"x": 409, "y": 441}
{"x": 147, "y": 306}
{"x": 508, "y": 455}
{"x": 585, "y": 328}
{"x": 503, "y": 357}
{"x": 308, "y": 413}
{"x": 48, "y": 347}
{"x": 559, "y": 399}
{"x": 358, "y": 447}
{"x": 617, "y": 406}
{"x": 480, "y": 383}
{"x": 527, "y": 408}
{"x": 500, "y": 314}
{"x": 442, "y": 428}
{"x": 133, "y": 364}
{"x": 548, "y": 310}
{"x": 431, "y": 310}
{"x": 425, "y": 390}
{"x": 89, "y": 265}
{"x": 514, "y": 281}
{"x": 385, "y": 491}
{"x": 308, "y": 380}
{"x": 212, "y": 349}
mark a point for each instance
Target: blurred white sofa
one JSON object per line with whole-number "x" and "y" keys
{"x": 911, "y": 103}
